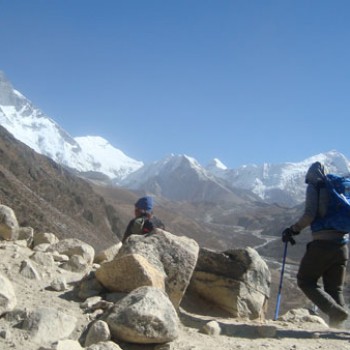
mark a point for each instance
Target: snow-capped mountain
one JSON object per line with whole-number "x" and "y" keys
{"x": 216, "y": 167}
{"x": 177, "y": 177}
{"x": 280, "y": 183}
{"x": 32, "y": 127}
{"x": 180, "y": 177}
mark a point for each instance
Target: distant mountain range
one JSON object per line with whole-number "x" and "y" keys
{"x": 176, "y": 177}
{"x": 216, "y": 206}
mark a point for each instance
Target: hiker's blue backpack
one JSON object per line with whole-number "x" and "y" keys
{"x": 338, "y": 210}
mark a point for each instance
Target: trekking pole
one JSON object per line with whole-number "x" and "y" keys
{"x": 281, "y": 281}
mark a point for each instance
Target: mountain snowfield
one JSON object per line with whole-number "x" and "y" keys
{"x": 179, "y": 178}
{"x": 32, "y": 127}
{"x": 273, "y": 183}
{"x": 282, "y": 183}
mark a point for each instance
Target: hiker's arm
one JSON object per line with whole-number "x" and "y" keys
{"x": 310, "y": 211}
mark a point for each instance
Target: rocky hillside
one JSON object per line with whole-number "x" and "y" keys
{"x": 47, "y": 196}
{"x": 56, "y": 295}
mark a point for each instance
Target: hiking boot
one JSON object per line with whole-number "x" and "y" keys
{"x": 337, "y": 316}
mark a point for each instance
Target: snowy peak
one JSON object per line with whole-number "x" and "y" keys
{"x": 181, "y": 178}
{"x": 9, "y": 96}
{"x": 216, "y": 167}
{"x": 164, "y": 168}
{"x": 334, "y": 161}
{"x": 107, "y": 159}
{"x": 32, "y": 127}
{"x": 283, "y": 183}
{"x": 219, "y": 164}
{"x": 185, "y": 163}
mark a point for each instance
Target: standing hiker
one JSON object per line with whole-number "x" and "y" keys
{"x": 144, "y": 222}
{"x": 326, "y": 255}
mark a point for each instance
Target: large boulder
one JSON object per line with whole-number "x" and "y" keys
{"x": 74, "y": 246}
{"x": 89, "y": 286}
{"x": 8, "y": 298}
{"x": 175, "y": 257}
{"x": 76, "y": 263}
{"x": 44, "y": 237}
{"x": 8, "y": 223}
{"x": 144, "y": 316}
{"x": 128, "y": 273}
{"x": 26, "y": 234}
{"x": 44, "y": 259}
{"x": 98, "y": 332}
{"x": 107, "y": 254}
{"x": 237, "y": 280}
{"x": 46, "y": 325}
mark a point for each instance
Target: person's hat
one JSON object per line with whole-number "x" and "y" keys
{"x": 316, "y": 173}
{"x": 145, "y": 203}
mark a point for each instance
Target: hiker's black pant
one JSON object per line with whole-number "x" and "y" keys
{"x": 326, "y": 260}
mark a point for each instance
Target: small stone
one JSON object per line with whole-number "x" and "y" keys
{"x": 59, "y": 285}
{"x": 212, "y": 328}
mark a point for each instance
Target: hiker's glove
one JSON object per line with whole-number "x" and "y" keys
{"x": 287, "y": 235}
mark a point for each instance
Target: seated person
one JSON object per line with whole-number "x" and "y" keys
{"x": 144, "y": 221}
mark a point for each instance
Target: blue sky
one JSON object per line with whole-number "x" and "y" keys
{"x": 246, "y": 81}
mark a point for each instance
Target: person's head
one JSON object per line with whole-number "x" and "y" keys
{"x": 316, "y": 174}
{"x": 144, "y": 206}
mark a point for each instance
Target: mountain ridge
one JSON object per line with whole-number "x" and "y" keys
{"x": 40, "y": 132}
{"x": 176, "y": 177}
{"x": 47, "y": 196}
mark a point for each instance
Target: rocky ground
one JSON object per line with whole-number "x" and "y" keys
{"x": 202, "y": 326}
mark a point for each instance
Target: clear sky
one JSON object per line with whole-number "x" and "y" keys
{"x": 246, "y": 81}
